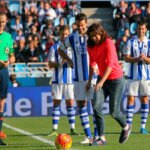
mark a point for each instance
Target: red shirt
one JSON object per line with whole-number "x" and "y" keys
{"x": 105, "y": 55}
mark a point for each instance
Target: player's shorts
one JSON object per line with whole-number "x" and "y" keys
{"x": 60, "y": 90}
{"x": 4, "y": 79}
{"x": 138, "y": 87}
{"x": 80, "y": 91}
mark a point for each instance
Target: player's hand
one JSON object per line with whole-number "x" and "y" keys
{"x": 88, "y": 86}
{"x": 4, "y": 63}
{"x": 71, "y": 63}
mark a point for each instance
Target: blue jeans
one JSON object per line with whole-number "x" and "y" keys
{"x": 113, "y": 89}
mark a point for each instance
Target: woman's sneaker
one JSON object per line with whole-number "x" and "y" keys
{"x": 98, "y": 142}
{"x": 124, "y": 135}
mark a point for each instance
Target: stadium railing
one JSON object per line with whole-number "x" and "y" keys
{"x": 36, "y": 70}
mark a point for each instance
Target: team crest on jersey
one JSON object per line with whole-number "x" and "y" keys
{"x": 7, "y": 50}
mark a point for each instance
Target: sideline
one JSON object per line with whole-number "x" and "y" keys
{"x": 29, "y": 134}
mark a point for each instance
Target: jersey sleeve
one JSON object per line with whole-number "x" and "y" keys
{"x": 127, "y": 48}
{"x": 51, "y": 55}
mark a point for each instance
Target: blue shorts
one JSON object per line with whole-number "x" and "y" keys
{"x": 4, "y": 79}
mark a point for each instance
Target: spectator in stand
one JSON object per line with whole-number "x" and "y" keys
{"x": 41, "y": 12}
{"x": 19, "y": 36}
{"x": 126, "y": 35}
{"x": 62, "y": 3}
{"x": 13, "y": 80}
{"x": 33, "y": 11}
{"x": 20, "y": 51}
{"x": 49, "y": 43}
{"x": 32, "y": 53}
{"x": 59, "y": 10}
{"x": 73, "y": 8}
{"x": 34, "y": 31}
{"x": 121, "y": 18}
{"x": 121, "y": 47}
{"x": 17, "y": 25}
{"x": 147, "y": 15}
{"x": 50, "y": 13}
{"x": 28, "y": 24}
{"x": 4, "y": 8}
{"x": 135, "y": 13}
{"x": 48, "y": 29}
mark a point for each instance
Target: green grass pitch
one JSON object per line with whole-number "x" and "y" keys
{"x": 30, "y": 133}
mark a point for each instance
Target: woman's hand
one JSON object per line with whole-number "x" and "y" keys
{"x": 99, "y": 85}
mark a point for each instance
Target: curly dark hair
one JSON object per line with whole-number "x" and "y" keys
{"x": 96, "y": 28}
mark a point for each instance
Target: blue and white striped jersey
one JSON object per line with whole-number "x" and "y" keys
{"x": 64, "y": 73}
{"x": 78, "y": 45}
{"x": 139, "y": 70}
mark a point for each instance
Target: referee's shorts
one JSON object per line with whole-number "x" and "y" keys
{"x": 4, "y": 79}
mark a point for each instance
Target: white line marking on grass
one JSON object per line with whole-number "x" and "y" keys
{"x": 29, "y": 134}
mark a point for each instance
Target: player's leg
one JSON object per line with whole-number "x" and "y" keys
{"x": 2, "y": 135}
{"x": 132, "y": 91}
{"x": 56, "y": 96}
{"x": 3, "y": 94}
{"x": 69, "y": 96}
{"x": 144, "y": 93}
{"x": 80, "y": 96}
{"x": 144, "y": 113}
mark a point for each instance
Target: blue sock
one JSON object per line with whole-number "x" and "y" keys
{"x": 129, "y": 114}
{"x": 71, "y": 116}
{"x": 144, "y": 114}
{"x": 55, "y": 117}
{"x": 85, "y": 121}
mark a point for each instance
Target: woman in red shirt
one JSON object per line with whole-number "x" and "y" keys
{"x": 110, "y": 81}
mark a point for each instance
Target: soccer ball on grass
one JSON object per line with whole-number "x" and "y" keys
{"x": 63, "y": 142}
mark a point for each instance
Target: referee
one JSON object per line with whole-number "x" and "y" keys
{"x": 6, "y": 58}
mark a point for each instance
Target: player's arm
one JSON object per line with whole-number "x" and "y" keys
{"x": 53, "y": 64}
{"x": 127, "y": 54}
{"x": 11, "y": 60}
{"x": 145, "y": 58}
{"x": 65, "y": 57}
{"x": 131, "y": 59}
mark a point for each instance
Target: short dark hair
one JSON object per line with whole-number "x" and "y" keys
{"x": 141, "y": 23}
{"x": 3, "y": 14}
{"x": 81, "y": 17}
{"x": 63, "y": 28}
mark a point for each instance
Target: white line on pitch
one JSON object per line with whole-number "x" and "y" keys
{"x": 29, "y": 134}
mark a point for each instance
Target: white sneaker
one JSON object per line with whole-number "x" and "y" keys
{"x": 85, "y": 141}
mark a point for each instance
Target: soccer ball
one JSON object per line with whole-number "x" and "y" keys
{"x": 63, "y": 141}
